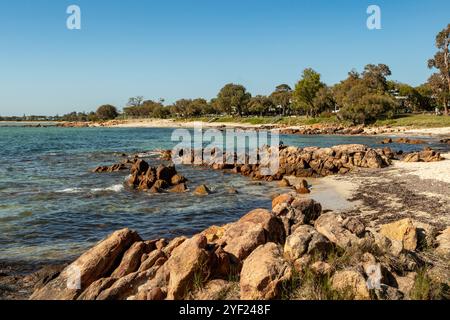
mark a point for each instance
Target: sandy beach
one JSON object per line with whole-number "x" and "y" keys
{"x": 419, "y": 190}
{"x": 171, "y": 123}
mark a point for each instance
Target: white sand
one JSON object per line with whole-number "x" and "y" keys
{"x": 439, "y": 171}
{"x": 429, "y": 131}
{"x": 168, "y": 123}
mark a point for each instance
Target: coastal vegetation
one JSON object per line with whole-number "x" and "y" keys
{"x": 366, "y": 97}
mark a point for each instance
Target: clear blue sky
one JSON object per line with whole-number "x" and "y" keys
{"x": 190, "y": 48}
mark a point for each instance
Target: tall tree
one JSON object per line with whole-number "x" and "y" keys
{"x": 260, "y": 105}
{"x": 306, "y": 91}
{"x": 375, "y": 76}
{"x": 233, "y": 99}
{"x": 441, "y": 61}
{"x": 439, "y": 88}
{"x": 281, "y": 98}
{"x": 135, "y": 101}
{"x": 365, "y": 97}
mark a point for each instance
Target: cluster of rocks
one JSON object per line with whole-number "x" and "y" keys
{"x": 403, "y": 141}
{"x": 302, "y": 187}
{"x": 156, "y": 179}
{"x": 258, "y": 254}
{"x": 301, "y": 162}
{"x": 144, "y": 177}
{"x": 113, "y": 168}
{"x": 427, "y": 155}
{"x": 317, "y": 130}
{"x": 75, "y": 124}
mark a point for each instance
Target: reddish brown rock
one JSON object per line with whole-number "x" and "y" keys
{"x": 130, "y": 261}
{"x": 263, "y": 272}
{"x": 202, "y": 190}
{"x": 91, "y": 266}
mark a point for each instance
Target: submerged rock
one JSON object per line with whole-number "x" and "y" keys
{"x": 156, "y": 180}
{"x": 202, "y": 190}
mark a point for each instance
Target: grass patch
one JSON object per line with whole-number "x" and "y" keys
{"x": 416, "y": 120}
{"x": 308, "y": 285}
{"x": 408, "y": 120}
{"x": 426, "y": 289}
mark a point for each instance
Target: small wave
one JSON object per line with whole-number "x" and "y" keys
{"x": 71, "y": 190}
{"x": 114, "y": 188}
{"x": 149, "y": 154}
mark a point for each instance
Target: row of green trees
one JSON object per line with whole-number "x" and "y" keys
{"x": 362, "y": 97}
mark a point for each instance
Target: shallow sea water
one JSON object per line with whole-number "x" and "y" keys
{"x": 53, "y": 208}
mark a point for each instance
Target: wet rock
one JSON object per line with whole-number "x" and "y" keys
{"x": 202, "y": 190}
{"x": 284, "y": 183}
{"x": 232, "y": 191}
{"x": 177, "y": 179}
{"x": 161, "y": 184}
{"x": 114, "y": 168}
{"x": 179, "y": 188}
{"x": 263, "y": 273}
{"x": 140, "y": 166}
{"x": 409, "y": 141}
{"x": 301, "y": 189}
{"x": 165, "y": 173}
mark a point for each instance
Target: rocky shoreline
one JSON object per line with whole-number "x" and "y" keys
{"x": 295, "y": 251}
{"x": 276, "y": 254}
{"x": 316, "y": 129}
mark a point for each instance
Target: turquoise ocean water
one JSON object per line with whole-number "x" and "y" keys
{"x": 52, "y": 207}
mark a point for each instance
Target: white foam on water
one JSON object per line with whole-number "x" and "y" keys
{"x": 114, "y": 188}
{"x": 70, "y": 190}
